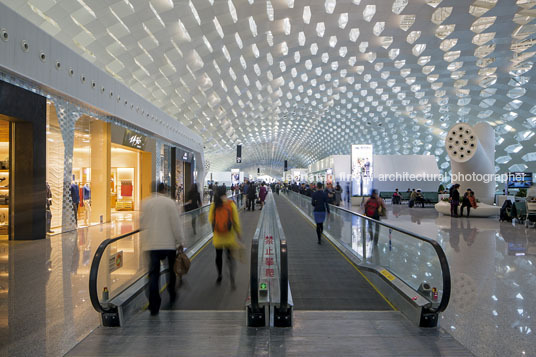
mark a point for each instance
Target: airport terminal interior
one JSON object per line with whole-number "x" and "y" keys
{"x": 327, "y": 177}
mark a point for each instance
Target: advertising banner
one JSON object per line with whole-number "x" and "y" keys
{"x": 362, "y": 169}
{"x": 235, "y": 176}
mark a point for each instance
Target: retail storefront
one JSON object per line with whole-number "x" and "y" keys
{"x": 22, "y": 163}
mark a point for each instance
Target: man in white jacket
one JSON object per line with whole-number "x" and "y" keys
{"x": 161, "y": 232}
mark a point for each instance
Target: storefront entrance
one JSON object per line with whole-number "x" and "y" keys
{"x": 130, "y": 179}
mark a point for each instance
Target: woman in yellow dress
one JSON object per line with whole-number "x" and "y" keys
{"x": 223, "y": 216}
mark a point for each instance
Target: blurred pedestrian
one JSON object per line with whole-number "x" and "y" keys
{"x": 161, "y": 234}
{"x": 223, "y": 216}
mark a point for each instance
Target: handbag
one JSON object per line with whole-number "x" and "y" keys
{"x": 182, "y": 262}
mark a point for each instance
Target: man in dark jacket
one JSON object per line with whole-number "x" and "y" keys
{"x": 251, "y": 195}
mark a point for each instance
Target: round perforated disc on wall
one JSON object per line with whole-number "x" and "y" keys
{"x": 461, "y": 142}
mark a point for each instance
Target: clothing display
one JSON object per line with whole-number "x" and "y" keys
{"x": 75, "y": 196}
{"x": 86, "y": 192}
{"x": 48, "y": 211}
{"x": 126, "y": 188}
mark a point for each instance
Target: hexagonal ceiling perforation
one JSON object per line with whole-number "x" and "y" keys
{"x": 301, "y": 80}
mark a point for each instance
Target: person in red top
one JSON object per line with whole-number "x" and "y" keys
{"x": 372, "y": 206}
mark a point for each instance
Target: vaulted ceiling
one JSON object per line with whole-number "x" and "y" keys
{"x": 301, "y": 80}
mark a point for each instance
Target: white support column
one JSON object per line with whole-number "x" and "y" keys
{"x": 472, "y": 156}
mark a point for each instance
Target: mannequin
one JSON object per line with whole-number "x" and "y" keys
{"x": 87, "y": 202}
{"x": 75, "y": 196}
{"x": 48, "y": 210}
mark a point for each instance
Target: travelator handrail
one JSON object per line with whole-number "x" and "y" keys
{"x": 94, "y": 270}
{"x": 445, "y": 270}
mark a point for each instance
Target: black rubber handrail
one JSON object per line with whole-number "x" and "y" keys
{"x": 254, "y": 276}
{"x": 283, "y": 274}
{"x": 445, "y": 270}
{"x": 94, "y": 272}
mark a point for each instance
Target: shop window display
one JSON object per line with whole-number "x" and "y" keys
{"x": 4, "y": 178}
{"x": 89, "y": 156}
{"x": 124, "y": 179}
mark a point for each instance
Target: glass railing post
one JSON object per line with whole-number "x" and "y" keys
{"x": 364, "y": 238}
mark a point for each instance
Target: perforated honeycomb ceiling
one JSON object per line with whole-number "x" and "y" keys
{"x": 301, "y": 80}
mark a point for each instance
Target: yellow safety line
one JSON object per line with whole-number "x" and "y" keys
{"x": 348, "y": 260}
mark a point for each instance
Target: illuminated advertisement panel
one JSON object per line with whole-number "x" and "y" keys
{"x": 362, "y": 167}
{"x": 235, "y": 177}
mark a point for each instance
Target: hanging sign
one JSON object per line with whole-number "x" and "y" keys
{"x": 134, "y": 140}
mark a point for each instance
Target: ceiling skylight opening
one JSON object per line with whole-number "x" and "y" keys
{"x": 406, "y": 21}
{"x": 48, "y": 19}
{"x": 284, "y": 48}
{"x": 151, "y": 35}
{"x": 115, "y": 39}
{"x": 333, "y": 41}
{"x": 226, "y": 53}
{"x": 269, "y": 10}
{"x": 354, "y": 34}
{"x": 378, "y": 28}
{"x": 194, "y": 11}
{"x": 119, "y": 20}
{"x": 301, "y": 38}
{"x": 253, "y": 26}
{"x": 132, "y": 7}
{"x": 218, "y": 26}
{"x": 306, "y": 14}
{"x": 145, "y": 51}
{"x": 314, "y": 49}
{"x": 183, "y": 32}
{"x": 329, "y": 5}
{"x": 441, "y": 14}
{"x": 369, "y": 12}
{"x": 88, "y": 9}
{"x": 238, "y": 40}
{"x": 270, "y": 38}
{"x": 399, "y": 6}
{"x": 207, "y": 43}
{"x": 232, "y": 11}
{"x": 286, "y": 26}
{"x": 320, "y": 29}
{"x": 290, "y": 3}
{"x": 255, "y": 50}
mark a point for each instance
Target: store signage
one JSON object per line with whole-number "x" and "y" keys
{"x": 184, "y": 155}
{"x": 134, "y": 140}
{"x": 116, "y": 261}
{"x": 362, "y": 172}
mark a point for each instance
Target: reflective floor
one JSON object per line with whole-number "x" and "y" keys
{"x": 492, "y": 309}
{"x": 44, "y": 299}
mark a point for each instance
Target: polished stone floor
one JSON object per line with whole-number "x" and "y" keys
{"x": 44, "y": 300}
{"x": 492, "y": 309}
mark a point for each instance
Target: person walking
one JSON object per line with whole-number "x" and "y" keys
{"x": 223, "y": 216}
{"x": 161, "y": 233}
{"x": 251, "y": 195}
{"x": 373, "y": 209}
{"x": 338, "y": 194}
{"x": 320, "y": 202}
{"x": 262, "y": 194}
{"x": 193, "y": 202}
{"x": 454, "y": 199}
